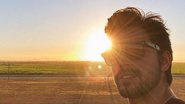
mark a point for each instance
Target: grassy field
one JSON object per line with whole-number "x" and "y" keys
{"x": 178, "y": 67}
{"x": 78, "y": 68}
{"x": 66, "y": 90}
{"x": 72, "y": 68}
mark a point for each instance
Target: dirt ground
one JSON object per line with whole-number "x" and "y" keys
{"x": 66, "y": 90}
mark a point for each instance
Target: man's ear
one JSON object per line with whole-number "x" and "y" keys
{"x": 166, "y": 60}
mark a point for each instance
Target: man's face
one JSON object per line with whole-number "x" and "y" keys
{"x": 136, "y": 76}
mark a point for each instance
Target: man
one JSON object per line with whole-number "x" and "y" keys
{"x": 141, "y": 57}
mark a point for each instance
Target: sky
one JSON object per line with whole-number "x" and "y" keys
{"x": 37, "y": 30}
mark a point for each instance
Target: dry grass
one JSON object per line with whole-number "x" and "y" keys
{"x": 64, "y": 90}
{"x": 178, "y": 87}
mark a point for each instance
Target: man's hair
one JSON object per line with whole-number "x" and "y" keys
{"x": 125, "y": 19}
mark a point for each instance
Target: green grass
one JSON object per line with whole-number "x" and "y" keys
{"x": 62, "y": 68}
{"x": 65, "y": 68}
{"x": 178, "y": 67}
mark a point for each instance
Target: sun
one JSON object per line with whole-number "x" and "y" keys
{"x": 97, "y": 43}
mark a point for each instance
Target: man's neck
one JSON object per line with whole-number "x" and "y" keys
{"x": 159, "y": 95}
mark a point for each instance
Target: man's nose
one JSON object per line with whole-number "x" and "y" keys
{"x": 125, "y": 64}
{"x": 125, "y": 67}
{"x": 123, "y": 60}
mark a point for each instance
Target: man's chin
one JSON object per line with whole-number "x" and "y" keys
{"x": 132, "y": 91}
{"x": 139, "y": 88}
{"x": 132, "y": 94}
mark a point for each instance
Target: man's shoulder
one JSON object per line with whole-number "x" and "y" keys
{"x": 175, "y": 101}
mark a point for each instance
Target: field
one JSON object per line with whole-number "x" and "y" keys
{"x": 66, "y": 83}
{"x": 73, "y": 68}
{"x": 178, "y": 67}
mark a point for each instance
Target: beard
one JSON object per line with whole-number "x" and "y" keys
{"x": 140, "y": 85}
